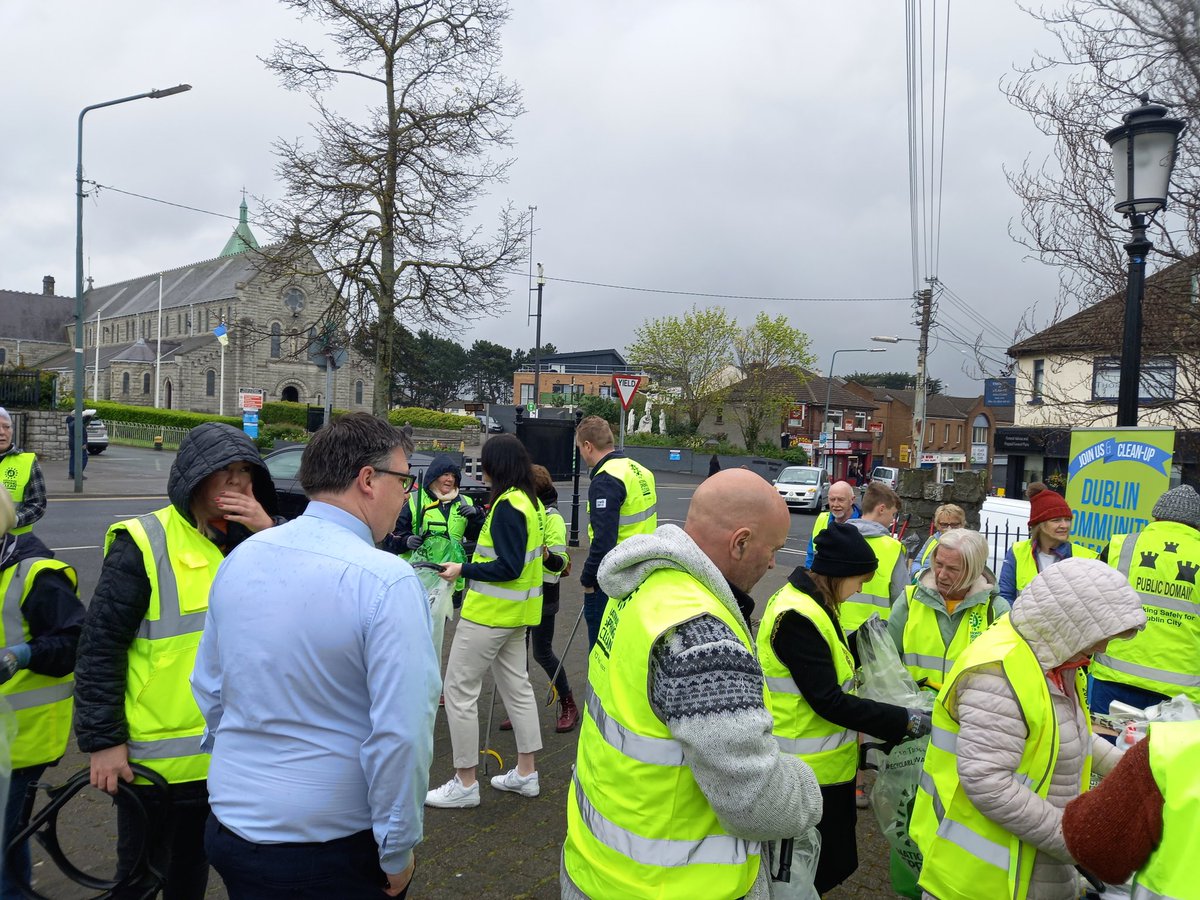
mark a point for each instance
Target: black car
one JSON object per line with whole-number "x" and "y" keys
{"x": 284, "y": 466}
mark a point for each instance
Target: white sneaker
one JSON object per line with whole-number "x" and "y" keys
{"x": 452, "y": 795}
{"x": 525, "y": 785}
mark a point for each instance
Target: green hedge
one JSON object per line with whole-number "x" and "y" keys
{"x": 148, "y": 415}
{"x": 280, "y": 413}
{"x": 430, "y": 418}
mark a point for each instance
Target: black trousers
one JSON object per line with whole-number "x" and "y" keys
{"x": 175, "y": 840}
{"x": 346, "y": 868}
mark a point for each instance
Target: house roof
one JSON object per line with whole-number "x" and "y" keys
{"x": 567, "y": 357}
{"x": 35, "y": 317}
{"x": 939, "y": 406}
{"x": 811, "y": 390}
{"x": 1170, "y": 318}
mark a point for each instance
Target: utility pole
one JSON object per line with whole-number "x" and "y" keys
{"x": 537, "y": 347}
{"x": 923, "y": 305}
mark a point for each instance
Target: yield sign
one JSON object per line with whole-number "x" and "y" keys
{"x": 626, "y": 386}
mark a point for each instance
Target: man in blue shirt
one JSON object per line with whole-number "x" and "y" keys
{"x": 318, "y": 682}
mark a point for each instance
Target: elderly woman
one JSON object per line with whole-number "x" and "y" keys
{"x": 945, "y": 517}
{"x": 1049, "y": 541}
{"x": 1012, "y": 742}
{"x": 953, "y": 602}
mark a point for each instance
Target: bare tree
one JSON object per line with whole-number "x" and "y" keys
{"x": 384, "y": 204}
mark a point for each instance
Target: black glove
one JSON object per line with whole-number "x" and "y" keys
{"x": 471, "y": 512}
{"x": 414, "y": 541}
{"x": 920, "y": 723}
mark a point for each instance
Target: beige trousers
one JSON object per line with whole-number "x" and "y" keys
{"x": 475, "y": 649}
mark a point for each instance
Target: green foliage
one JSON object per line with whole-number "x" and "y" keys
{"x": 489, "y": 372}
{"x": 430, "y": 418}
{"x": 795, "y": 456}
{"x": 148, "y": 415}
{"x": 897, "y": 381}
{"x": 604, "y": 407}
{"x": 772, "y": 355}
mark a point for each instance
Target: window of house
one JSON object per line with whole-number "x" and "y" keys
{"x": 605, "y": 390}
{"x": 179, "y": 322}
{"x": 958, "y": 431}
{"x": 146, "y": 383}
{"x": 3, "y": 356}
{"x": 1039, "y": 377}
{"x": 166, "y": 324}
{"x": 979, "y": 429}
{"x": 210, "y": 383}
{"x": 526, "y": 394}
{"x": 946, "y": 435}
{"x": 860, "y": 421}
{"x": 835, "y": 417}
{"x": 358, "y": 392}
{"x": 125, "y": 383}
{"x": 720, "y": 418}
{"x": 1157, "y": 381}
{"x": 276, "y": 338}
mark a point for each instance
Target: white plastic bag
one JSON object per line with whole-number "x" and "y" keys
{"x": 806, "y": 850}
{"x": 441, "y": 607}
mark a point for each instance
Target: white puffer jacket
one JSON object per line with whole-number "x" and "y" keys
{"x": 1067, "y": 609}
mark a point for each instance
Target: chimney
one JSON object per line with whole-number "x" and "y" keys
{"x": 48, "y": 286}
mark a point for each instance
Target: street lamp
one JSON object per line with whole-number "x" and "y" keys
{"x": 920, "y": 392}
{"x": 79, "y": 429}
{"x": 1143, "y": 155}
{"x": 828, "y": 394}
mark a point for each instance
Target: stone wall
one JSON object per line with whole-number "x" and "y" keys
{"x": 922, "y": 495}
{"x": 42, "y": 431}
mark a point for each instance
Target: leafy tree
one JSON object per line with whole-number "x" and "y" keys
{"x": 593, "y": 405}
{"x": 436, "y": 369}
{"x": 897, "y": 381}
{"x": 764, "y": 351}
{"x": 687, "y": 357}
{"x": 489, "y": 372}
{"x": 384, "y": 202}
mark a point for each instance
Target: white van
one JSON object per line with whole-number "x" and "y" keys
{"x": 888, "y": 475}
{"x": 1003, "y": 521}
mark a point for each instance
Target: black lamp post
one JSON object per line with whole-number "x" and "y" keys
{"x": 1143, "y": 155}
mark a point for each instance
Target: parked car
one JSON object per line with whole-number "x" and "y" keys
{"x": 490, "y": 425}
{"x": 888, "y": 475}
{"x": 284, "y": 466}
{"x": 97, "y": 436}
{"x": 803, "y": 487}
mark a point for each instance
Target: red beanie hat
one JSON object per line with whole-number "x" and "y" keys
{"x": 1046, "y": 505}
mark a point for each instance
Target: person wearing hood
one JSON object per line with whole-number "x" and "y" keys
{"x": 952, "y": 603}
{"x": 1049, "y": 541}
{"x": 1012, "y": 742}
{"x": 437, "y": 508}
{"x": 945, "y": 517}
{"x": 22, "y": 477}
{"x": 134, "y": 702}
{"x": 39, "y": 630}
{"x": 810, "y": 668}
{"x": 1160, "y": 562}
{"x": 678, "y": 779}
{"x": 880, "y": 506}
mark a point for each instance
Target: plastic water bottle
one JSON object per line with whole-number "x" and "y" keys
{"x": 1127, "y": 738}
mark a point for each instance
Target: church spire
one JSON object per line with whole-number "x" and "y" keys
{"x": 242, "y": 238}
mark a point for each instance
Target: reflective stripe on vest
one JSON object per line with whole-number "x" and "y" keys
{"x": 43, "y": 704}
{"x": 556, "y": 543}
{"x": 874, "y": 597}
{"x": 15, "y": 472}
{"x": 829, "y": 749}
{"x": 165, "y": 725}
{"x": 1159, "y": 563}
{"x": 639, "y": 508}
{"x": 518, "y": 602}
{"x": 1170, "y": 872}
{"x": 925, "y": 653}
{"x": 967, "y": 855}
{"x": 638, "y": 825}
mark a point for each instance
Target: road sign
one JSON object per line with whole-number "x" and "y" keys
{"x": 823, "y": 438}
{"x": 626, "y": 386}
{"x": 250, "y": 398}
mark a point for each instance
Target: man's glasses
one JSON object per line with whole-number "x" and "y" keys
{"x": 406, "y": 481}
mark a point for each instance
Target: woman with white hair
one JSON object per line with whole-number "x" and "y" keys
{"x": 951, "y": 604}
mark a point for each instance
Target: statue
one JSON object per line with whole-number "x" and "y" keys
{"x": 644, "y": 426}
{"x": 662, "y": 421}
{"x": 631, "y": 425}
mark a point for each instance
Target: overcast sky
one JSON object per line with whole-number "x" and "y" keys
{"x": 756, "y": 148}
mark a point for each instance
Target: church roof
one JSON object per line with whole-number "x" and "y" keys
{"x": 201, "y": 282}
{"x": 242, "y": 238}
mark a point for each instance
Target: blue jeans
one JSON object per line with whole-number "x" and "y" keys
{"x": 593, "y": 614}
{"x": 17, "y": 868}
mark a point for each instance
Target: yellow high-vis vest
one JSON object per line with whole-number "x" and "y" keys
{"x": 967, "y": 856}
{"x": 165, "y": 725}
{"x": 873, "y": 598}
{"x": 1026, "y": 559}
{"x": 42, "y": 703}
{"x": 509, "y": 604}
{"x": 925, "y": 652}
{"x": 639, "y": 511}
{"x": 556, "y": 542}
{"x": 638, "y": 825}
{"x": 831, "y": 750}
{"x": 15, "y": 470}
{"x": 1170, "y": 872}
{"x": 1161, "y": 563}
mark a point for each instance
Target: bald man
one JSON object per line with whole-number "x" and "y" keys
{"x": 842, "y": 508}
{"x": 676, "y": 747}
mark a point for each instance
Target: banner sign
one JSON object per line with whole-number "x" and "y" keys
{"x": 1114, "y": 478}
{"x": 999, "y": 392}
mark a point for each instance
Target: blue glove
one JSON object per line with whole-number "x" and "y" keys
{"x": 12, "y": 660}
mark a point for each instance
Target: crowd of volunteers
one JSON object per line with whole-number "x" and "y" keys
{"x": 280, "y": 680}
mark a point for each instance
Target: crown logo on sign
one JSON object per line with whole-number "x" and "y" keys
{"x": 1148, "y": 559}
{"x": 1170, "y": 547}
{"x": 1187, "y": 572}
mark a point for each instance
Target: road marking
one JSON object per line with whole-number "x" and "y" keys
{"x": 68, "y": 549}
{"x": 104, "y": 499}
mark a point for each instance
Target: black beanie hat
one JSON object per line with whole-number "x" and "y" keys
{"x": 842, "y": 551}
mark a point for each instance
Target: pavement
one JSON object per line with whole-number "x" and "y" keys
{"x": 509, "y": 846}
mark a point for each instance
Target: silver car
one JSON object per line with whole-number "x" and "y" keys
{"x": 803, "y": 487}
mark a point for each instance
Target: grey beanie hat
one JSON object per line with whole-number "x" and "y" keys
{"x": 1181, "y": 504}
